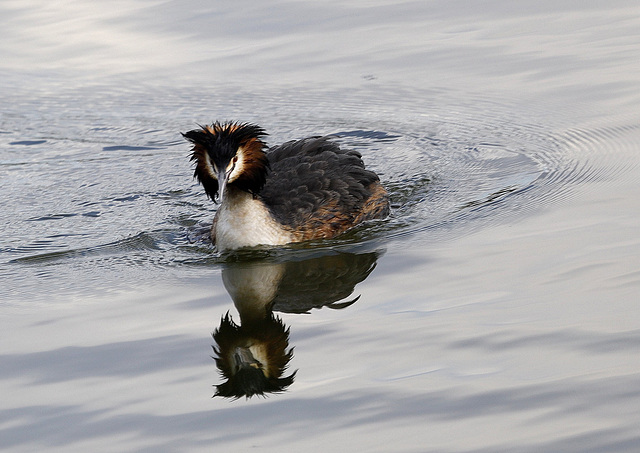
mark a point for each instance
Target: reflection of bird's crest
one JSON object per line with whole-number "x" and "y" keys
{"x": 252, "y": 358}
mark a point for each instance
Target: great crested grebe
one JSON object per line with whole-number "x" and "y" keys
{"x": 298, "y": 191}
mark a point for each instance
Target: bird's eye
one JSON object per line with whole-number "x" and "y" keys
{"x": 232, "y": 164}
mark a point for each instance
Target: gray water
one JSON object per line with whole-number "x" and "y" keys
{"x": 497, "y": 308}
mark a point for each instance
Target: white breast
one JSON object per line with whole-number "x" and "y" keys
{"x": 242, "y": 221}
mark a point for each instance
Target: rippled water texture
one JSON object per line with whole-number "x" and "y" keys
{"x": 495, "y": 310}
{"x": 130, "y": 211}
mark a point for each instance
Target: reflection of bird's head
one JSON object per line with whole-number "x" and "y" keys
{"x": 252, "y": 358}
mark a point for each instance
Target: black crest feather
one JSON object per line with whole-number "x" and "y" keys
{"x": 219, "y": 143}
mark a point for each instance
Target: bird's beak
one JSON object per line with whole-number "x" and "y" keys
{"x": 243, "y": 358}
{"x": 223, "y": 177}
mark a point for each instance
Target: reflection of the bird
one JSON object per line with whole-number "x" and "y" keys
{"x": 252, "y": 356}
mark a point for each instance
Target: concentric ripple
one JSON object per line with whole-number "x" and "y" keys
{"x": 109, "y": 201}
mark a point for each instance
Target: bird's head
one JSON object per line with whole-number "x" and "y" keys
{"x": 229, "y": 155}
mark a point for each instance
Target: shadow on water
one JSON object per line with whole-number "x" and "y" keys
{"x": 253, "y": 355}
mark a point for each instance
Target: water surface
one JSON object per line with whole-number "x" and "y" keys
{"x": 495, "y": 310}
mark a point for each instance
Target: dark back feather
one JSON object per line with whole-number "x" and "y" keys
{"x": 313, "y": 182}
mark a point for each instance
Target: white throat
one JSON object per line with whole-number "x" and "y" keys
{"x": 243, "y": 221}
